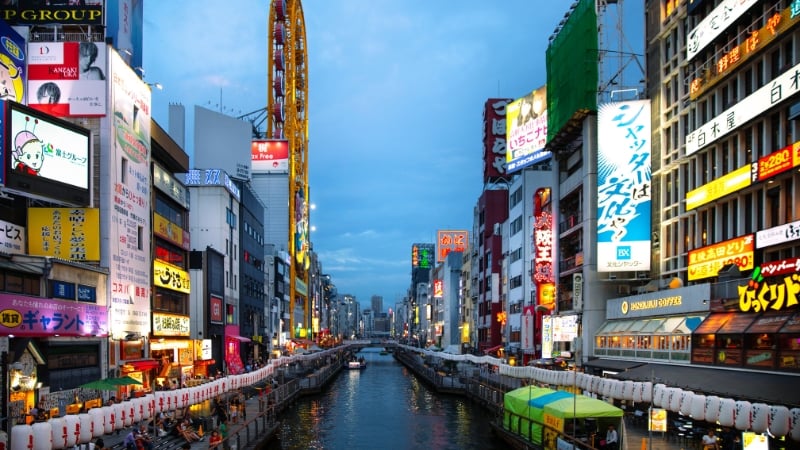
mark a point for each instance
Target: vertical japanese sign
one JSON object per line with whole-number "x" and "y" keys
{"x": 126, "y": 191}
{"x": 494, "y": 138}
{"x": 543, "y": 272}
{"x": 450, "y": 241}
{"x": 67, "y": 233}
{"x": 526, "y": 130}
{"x": 422, "y": 256}
{"x": 623, "y": 186}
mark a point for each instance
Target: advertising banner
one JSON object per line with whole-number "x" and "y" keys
{"x": 37, "y": 12}
{"x": 66, "y": 233}
{"x": 269, "y": 156}
{"x": 450, "y": 241}
{"x": 22, "y": 315}
{"x": 705, "y": 262}
{"x": 526, "y": 130}
{"x": 623, "y": 186}
{"x": 68, "y": 79}
{"x": 170, "y": 277}
{"x": 494, "y": 139}
{"x": 12, "y": 238}
{"x": 12, "y": 66}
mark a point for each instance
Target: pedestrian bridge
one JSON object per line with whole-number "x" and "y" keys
{"x": 361, "y": 343}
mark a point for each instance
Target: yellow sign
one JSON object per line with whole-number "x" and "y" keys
{"x": 170, "y": 231}
{"x": 728, "y": 184}
{"x": 554, "y": 422}
{"x": 658, "y": 419}
{"x": 170, "y": 277}
{"x": 170, "y": 325}
{"x": 67, "y": 233}
{"x": 705, "y": 262}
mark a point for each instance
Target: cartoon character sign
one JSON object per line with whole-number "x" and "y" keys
{"x": 12, "y": 86}
{"x": 28, "y": 153}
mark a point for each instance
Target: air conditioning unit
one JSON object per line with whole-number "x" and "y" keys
{"x": 497, "y": 229}
{"x": 623, "y": 289}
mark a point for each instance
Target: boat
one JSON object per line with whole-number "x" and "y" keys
{"x": 359, "y": 363}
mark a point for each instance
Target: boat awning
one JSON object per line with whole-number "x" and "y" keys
{"x": 238, "y": 338}
{"x": 775, "y": 389}
{"x": 613, "y": 364}
{"x": 143, "y": 364}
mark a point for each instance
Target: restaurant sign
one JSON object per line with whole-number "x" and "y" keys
{"x": 705, "y": 262}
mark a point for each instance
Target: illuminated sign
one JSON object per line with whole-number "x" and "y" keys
{"x": 212, "y": 177}
{"x": 554, "y": 422}
{"x": 778, "y": 235}
{"x": 438, "y": 288}
{"x": 759, "y": 295}
{"x": 705, "y": 262}
{"x": 494, "y": 138}
{"x": 722, "y": 186}
{"x": 269, "y": 156}
{"x": 776, "y": 162}
{"x": 67, "y": 233}
{"x": 422, "y": 256}
{"x": 22, "y": 315}
{"x": 170, "y": 277}
{"x": 215, "y": 310}
{"x": 61, "y": 84}
{"x": 12, "y": 67}
{"x": 170, "y": 185}
{"x": 623, "y": 186}
{"x": 450, "y": 241}
{"x": 526, "y": 130}
{"x": 715, "y": 24}
{"x": 782, "y": 267}
{"x": 28, "y": 12}
{"x": 170, "y": 325}
{"x": 758, "y": 40}
{"x": 771, "y": 94}
{"x": 640, "y": 305}
{"x": 12, "y": 239}
{"x": 165, "y": 229}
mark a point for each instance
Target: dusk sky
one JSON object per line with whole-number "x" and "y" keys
{"x": 396, "y": 94}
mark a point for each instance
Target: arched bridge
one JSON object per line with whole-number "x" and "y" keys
{"x": 358, "y": 344}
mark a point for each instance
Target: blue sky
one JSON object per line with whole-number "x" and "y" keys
{"x": 396, "y": 94}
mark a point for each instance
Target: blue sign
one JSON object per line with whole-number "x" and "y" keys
{"x": 87, "y": 294}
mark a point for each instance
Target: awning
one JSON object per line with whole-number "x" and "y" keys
{"x": 204, "y": 362}
{"x": 20, "y": 267}
{"x": 774, "y": 389}
{"x": 770, "y": 322}
{"x": 238, "y": 338}
{"x": 616, "y": 365}
{"x": 493, "y": 349}
{"x": 737, "y": 324}
{"x": 143, "y": 364}
{"x": 713, "y": 323}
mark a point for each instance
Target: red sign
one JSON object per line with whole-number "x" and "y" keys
{"x": 269, "y": 156}
{"x": 450, "y": 241}
{"x": 777, "y": 162}
{"x": 782, "y": 267}
{"x": 215, "y": 312}
{"x": 438, "y": 289}
{"x": 494, "y": 138}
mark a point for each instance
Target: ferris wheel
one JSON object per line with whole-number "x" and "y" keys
{"x": 287, "y": 119}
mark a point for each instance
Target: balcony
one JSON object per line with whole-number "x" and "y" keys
{"x": 570, "y": 221}
{"x": 573, "y": 262}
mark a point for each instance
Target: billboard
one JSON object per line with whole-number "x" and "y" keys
{"x": 67, "y": 79}
{"x": 719, "y": 187}
{"x": 494, "y": 139}
{"x": 714, "y": 24}
{"x": 21, "y": 315}
{"x": 125, "y": 193}
{"x": 124, "y": 25}
{"x": 269, "y": 156}
{"x": 46, "y": 157}
{"x": 572, "y": 69}
{"x": 223, "y": 142}
{"x": 526, "y": 130}
{"x": 450, "y": 241}
{"x": 37, "y": 12}
{"x": 12, "y": 64}
{"x": 422, "y": 256}
{"x": 623, "y": 186}
{"x": 705, "y": 262}
{"x": 66, "y": 233}
{"x": 12, "y": 239}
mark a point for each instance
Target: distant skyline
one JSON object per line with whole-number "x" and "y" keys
{"x": 396, "y": 94}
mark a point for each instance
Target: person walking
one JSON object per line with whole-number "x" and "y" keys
{"x": 710, "y": 441}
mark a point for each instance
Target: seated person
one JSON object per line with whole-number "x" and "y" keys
{"x": 142, "y": 438}
{"x": 187, "y": 432}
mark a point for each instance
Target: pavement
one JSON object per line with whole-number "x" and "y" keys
{"x": 638, "y": 438}
{"x": 173, "y": 442}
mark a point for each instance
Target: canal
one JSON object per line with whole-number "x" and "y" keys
{"x": 383, "y": 406}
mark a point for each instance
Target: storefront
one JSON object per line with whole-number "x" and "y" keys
{"x": 656, "y": 326}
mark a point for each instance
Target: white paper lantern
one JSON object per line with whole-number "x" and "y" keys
{"x": 109, "y": 417}
{"x": 675, "y": 399}
{"x": 794, "y": 428}
{"x": 760, "y": 417}
{"x": 779, "y": 420}
{"x": 616, "y": 389}
{"x": 22, "y": 437}
{"x": 727, "y": 412}
{"x": 58, "y": 432}
{"x": 687, "y": 397}
{"x": 627, "y": 390}
{"x": 647, "y": 392}
{"x": 712, "y": 408}
{"x": 128, "y": 413}
{"x": 607, "y": 387}
{"x": 119, "y": 416}
{"x": 180, "y": 399}
{"x": 98, "y": 422}
{"x": 698, "y": 408}
{"x": 658, "y": 395}
{"x": 138, "y": 409}
{"x": 42, "y": 436}
{"x": 742, "y": 413}
{"x": 73, "y": 429}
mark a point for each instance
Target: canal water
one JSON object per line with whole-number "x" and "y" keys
{"x": 383, "y": 407}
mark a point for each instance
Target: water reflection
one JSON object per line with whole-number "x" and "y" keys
{"x": 383, "y": 406}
